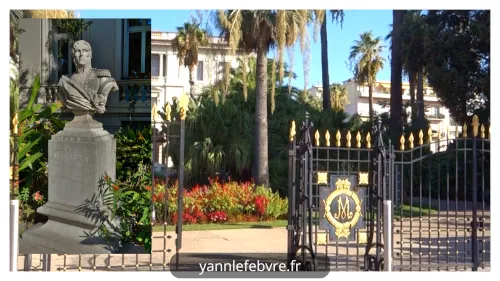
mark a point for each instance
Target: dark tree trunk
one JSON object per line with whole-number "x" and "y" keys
{"x": 324, "y": 66}
{"x": 191, "y": 81}
{"x": 261, "y": 174}
{"x": 412, "y": 77}
{"x": 370, "y": 102}
{"x": 420, "y": 98}
{"x": 396, "y": 119}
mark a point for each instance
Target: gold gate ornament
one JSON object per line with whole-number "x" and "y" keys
{"x": 343, "y": 187}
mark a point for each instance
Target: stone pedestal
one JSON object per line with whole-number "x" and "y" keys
{"x": 79, "y": 156}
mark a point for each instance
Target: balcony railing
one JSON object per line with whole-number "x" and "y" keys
{"x": 435, "y": 116}
{"x": 139, "y": 90}
{"x": 48, "y": 93}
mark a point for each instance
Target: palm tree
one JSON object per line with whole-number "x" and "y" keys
{"x": 414, "y": 25}
{"x": 366, "y": 62}
{"x": 190, "y": 37}
{"x": 412, "y": 32}
{"x": 259, "y": 30}
{"x": 396, "y": 77}
{"x": 338, "y": 97}
{"x": 337, "y": 16}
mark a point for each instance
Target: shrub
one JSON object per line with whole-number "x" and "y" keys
{"x": 219, "y": 202}
{"x": 129, "y": 201}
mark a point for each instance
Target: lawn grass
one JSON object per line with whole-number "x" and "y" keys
{"x": 408, "y": 211}
{"x": 414, "y": 211}
{"x": 228, "y": 225}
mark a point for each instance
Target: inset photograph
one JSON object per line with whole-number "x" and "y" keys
{"x": 82, "y": 135}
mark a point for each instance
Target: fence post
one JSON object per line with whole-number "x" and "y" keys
{"x": 388, "y": 235}
{"x": 14, "y": 234}
{"x": 474, "y": 200}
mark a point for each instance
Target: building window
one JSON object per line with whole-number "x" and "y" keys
{"x": 65, "y": 63}
{"x": 137, "y": 48}
{"x": 199, "y": 71}
{"x": 155, "y": 65}
{"x": 165, "y": 66}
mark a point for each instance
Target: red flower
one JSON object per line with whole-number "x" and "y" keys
{"x": 217, "y": 216}
{"x": 148, "y": 188}
{"x": 261, "y": 203}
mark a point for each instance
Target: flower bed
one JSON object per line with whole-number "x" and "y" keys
{"x": 218, "y": 203}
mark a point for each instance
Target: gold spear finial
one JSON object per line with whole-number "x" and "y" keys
{"x": 402, "y": 141}
{"x": 337, "y": 138}
{"x": 316, "y": 138}
{"x": 358, "y": 140}
{"x": 15, "y": 124}
{"x": 154, "y": 112}
{"x": 483, "y": 134}
{"x": 464, "y": 130}
{"x": 183, "y": 104}
{"x": 411, "y": 140}
{"x": 368, "y": 140}
{"x": 420, "y": 137}
{"x": 475, "y": 125}
{"x": 327, "y": 137}
{"x": 292, "y": 130}
{"x": 168, "y": 111}
{"x": 348, "y": 139}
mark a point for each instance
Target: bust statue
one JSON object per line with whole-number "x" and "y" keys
{"x": 88, "y": 88}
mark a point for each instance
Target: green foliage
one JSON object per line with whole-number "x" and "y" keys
{"x": 277, "y": 207}
{"x": 219, "y": 136}
{"x": 129, "y": 201}
{"x": 133, "y": 148}
{"x": 36, "y": 126}
{"x": 457, "y": 51}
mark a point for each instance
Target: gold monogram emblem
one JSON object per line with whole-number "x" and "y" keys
{"x": 343, "y": 192}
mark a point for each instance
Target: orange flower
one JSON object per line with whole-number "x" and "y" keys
{"x": 106, "y": 178}
{"x": 37, "y": 196}
{"x": 115, "y": 187}
{"x": 148, "y": 188}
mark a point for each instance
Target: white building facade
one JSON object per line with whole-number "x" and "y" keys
{"x": 169, "y": 80}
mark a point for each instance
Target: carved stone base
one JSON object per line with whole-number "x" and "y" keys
{"x": 79, "y": 156}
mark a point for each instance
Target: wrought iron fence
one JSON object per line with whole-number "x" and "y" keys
{"x": 441, "y": 214}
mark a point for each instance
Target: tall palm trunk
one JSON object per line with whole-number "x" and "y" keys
{"x": 191, "y": 81}
{"x": 412, "y": 77}
{"x": 396, "y": 119}
{"x": 324, "y": 65}
{"x": 261, "y": 171}
{"x": 370, "y": 102}
{"x": 420, "y": 98}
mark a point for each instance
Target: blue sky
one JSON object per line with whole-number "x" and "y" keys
{"x": 339, "y": 39}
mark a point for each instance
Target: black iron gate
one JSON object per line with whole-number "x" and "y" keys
{"x": 337, "y": 185}
{"x": 168, "y": 173}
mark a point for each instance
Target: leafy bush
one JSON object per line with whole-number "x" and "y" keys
{"x": 133, "y": 148}
{"x": 36, "y": 125}
{"x": 129, "y": 201}
{"x": 216, "y": 202}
